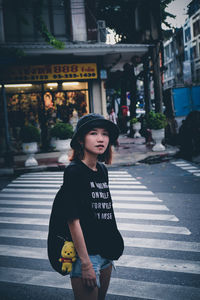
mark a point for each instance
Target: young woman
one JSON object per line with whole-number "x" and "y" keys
{"x": 89, "y": 213}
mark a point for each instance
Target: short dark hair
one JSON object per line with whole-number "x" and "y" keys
{"x": 78, "y": 152}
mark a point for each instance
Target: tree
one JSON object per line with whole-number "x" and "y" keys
{"x": 120, "y": 16}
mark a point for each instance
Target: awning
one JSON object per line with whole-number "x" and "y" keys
{"x": 114, "y": 56}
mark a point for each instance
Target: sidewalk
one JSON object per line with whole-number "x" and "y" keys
{"x": 129, "y": 152}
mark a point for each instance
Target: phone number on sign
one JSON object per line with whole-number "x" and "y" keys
{"x": 55, "y": 76}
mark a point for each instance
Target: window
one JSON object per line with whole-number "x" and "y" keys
{"x": 187, "y": 35}
{"x": 186, "y": 55}
{"x": 196, "y": 28}
{"x": 20, "y": 23}
{"x": 193, "y": 52}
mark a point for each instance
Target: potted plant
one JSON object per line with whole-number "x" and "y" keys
{"x": 136, "y": 127}
{"x": 157, "y": 123}
{"x": 62, "y": 133}
{"x": 30, "y": 136}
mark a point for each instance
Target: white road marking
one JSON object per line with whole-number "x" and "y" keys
{"x": 157, "y": 263}
{"x": 131, "y": 192}
{"x": 162, "y": 244}
{"x": 131, "y": 261}
{"x": 27, "y": 196}
{"x": 18, "y": 210}
{"x": 141, "y": 289}
{"x": 132, "y": 187}
{"x": 189, "y": 168}
{"x": 153, "y": 228}
{"x": 136, "y": 198}
{"x": 155, "y": 217}
{"x": 140, "y": 206}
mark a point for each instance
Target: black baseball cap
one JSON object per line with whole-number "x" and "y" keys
{"x": 87, "y": 122}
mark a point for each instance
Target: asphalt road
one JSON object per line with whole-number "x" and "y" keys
{"x": 157, "y": 209}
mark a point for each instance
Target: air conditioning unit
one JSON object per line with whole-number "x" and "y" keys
{"x": 101, "y": 30}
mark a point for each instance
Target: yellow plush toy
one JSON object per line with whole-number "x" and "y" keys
{"x": 68, "y": 256}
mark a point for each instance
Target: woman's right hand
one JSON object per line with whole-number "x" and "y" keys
{"x": 88, "y": 275}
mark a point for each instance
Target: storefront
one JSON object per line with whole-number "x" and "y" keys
{"x": 41, "y": 95}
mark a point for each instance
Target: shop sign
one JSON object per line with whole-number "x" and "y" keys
{"x": 49, "y": 72}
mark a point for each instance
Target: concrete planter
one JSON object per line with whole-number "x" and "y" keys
{"x": 136, "y": 128}
{"x": 30, "y": 149}
{"x": 63, "y": 146}
{"x": 158, "y": 135}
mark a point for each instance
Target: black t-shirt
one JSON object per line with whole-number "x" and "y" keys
{"x": 85, "y": 196}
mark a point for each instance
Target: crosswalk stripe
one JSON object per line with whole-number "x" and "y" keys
{"x": 153, "y": 228}
{"x": 60, "y": 180}
{"x": 141, "y": 206}
{"x": 133, "y": 261}
{"x": 119, "y": 179}
{"x": 35, "y": 174}
{"x": 118, "y": 172}
{"x": 131, "y": 192}
{"x": 139, "y": 216}
{"x": 41, "y": 211}
{"x": 181, "y": 164}
{"x": 122, "y": 226}
{"x": 157, "y": 263}
{"x": 16, "y": 210}
{"x": 27, "y": 196}
{"x": 162, "y": 244}
{"x": 141, "y": 289}
{"x": 132, "y": 187}
{"x": 188, "y": 168}
{"x": 9, "y": 202}
{"x": 192, "y": 171}
{"x": 27, "y": 190}
{"x": 53, "y": 185}
{"x": 33, "y": 185}
{"x": 155, "y": 217}
{"x": 53, "y": 191}
{"x": 136, "y": 198}
{"x": 125, "y": 176}
{"x": 51, "y": 197}
{"x": 129, "y": 242}
{"x": 129, "y": 182}
{"x": 24, "y": 221}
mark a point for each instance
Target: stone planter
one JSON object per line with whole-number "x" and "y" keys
{"x": 158, "y": 135}
{"x": 30, "y": 149}
{"x": 136, "y": 128}
{"x": 63, "y": 146}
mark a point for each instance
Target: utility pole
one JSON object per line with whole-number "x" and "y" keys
{"x": 147, "y": 98}
{"x": 157, "y": 77}
{"x": 8, "y": 154}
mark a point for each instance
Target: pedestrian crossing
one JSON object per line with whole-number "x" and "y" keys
{"x": 186, "y": 166}
{"x": 155, "y": 242}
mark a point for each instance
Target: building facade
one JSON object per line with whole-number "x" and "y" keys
{"x": 173, "y": 60}
{"x": 41, "y": 84}
{"x": 191, "y": 35}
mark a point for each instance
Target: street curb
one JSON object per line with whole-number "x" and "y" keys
{"x": 55, "y": 168}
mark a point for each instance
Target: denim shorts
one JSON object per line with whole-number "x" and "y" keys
{"x": 99, "y": 263}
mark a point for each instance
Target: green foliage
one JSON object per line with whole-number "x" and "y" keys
{"x": 164, "y": 13}
{"x": 20, "y": 7}
{"x": 47, "y": 36}
{"x": 62, "y": 131}
{"x": 29, "y": 134}
{"x": 134, "y": 121}
{"x": 119, "y": 16}
{"x": 156, "y": 120}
